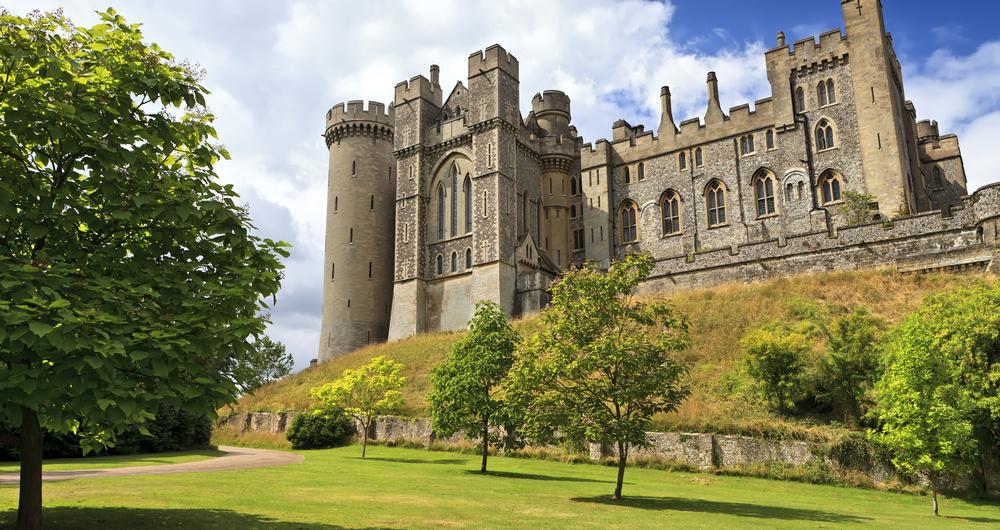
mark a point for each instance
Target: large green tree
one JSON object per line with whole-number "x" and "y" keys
{"x": 129, "y": 277}
{"x": 924, "y": 416}
{"x": 467, "y": 395}
{"x": 265, "y": 361}
{"x": 364, "y": 394}
{"x": 775, "y": 357}
{"x": 601, "y": 365}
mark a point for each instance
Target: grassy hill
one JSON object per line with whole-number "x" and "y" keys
{"x": 719, "y": 317}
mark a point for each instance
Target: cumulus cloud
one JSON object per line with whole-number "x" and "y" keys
{"x": 274, "y": 68}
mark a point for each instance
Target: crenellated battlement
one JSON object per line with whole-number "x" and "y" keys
{"x": 491, "y": 58}
{"x": 417, "y": 87}
{"x": 355, "y": 110}
{"x": 353, "y": 118}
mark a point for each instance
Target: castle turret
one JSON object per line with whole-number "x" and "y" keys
{"x": 557, "y": 152}
{"x": 360, "y": 224}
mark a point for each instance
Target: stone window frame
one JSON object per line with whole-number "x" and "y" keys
{"x": 446, "y": 179}
{"x": 747, "y": 145}
{"x": 699, "y": 157}
{"x": 626, "y": 175}
{"x": 770, "y": 140}
{"x": 759, "y": 186}
{"x": 440, "y": 264}
{"x": 828, "y": 142}
{"x": 836, "y": 181}
{"x": 468, "y": 258}
{"x": 629, "y": 224}
{"x": 682, "y": 161}
{"x": 454, "y": 261}
{"x": 671, "y": 196}
{"x": 713, "y": 190}
{"x": 641, "y": 172}
{"x": 826, "y": 93}
{"x": 800, "y": 100}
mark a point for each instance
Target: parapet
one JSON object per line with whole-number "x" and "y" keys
{"x": 807, "y": 51}
{"x": 490, "y": 58}
{"x": 551, "y": 110}
{"x": 355, "y": 111}
{"x": 927, "y": 129}
{"x": 418, "y": 87}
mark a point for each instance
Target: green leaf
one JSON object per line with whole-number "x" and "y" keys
{"x": 40, "y": 329}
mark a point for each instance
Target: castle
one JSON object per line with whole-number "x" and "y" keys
{"x": 441, "y": 200}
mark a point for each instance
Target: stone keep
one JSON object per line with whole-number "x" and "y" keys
{"x": 454, "y": 196}
{"x": 360, "y": 217}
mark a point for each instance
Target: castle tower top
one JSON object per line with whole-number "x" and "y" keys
{"x": 355, "y": 111}
{"x": 552, "y": 109}
{"x": 492, "y": 58}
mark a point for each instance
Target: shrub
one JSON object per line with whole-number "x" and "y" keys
{"x": 851, "y": 365}
{"x": 319, "y": 429}
{"x": 776, "y": 359}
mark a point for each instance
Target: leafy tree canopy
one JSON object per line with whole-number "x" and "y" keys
{"x": 601, "y": 365}
{"x": 265, "y": 361}
{"x": 364, "y": 393}
{"x": 467, "y": 395}
{"x": 129, "y": 276}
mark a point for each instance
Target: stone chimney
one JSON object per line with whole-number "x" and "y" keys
{"x": 667, "y": 127}
{"x": 714, "y": 114}
{"x": 435, "y": 75}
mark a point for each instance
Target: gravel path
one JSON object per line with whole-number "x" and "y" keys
{"x": 234, "y": 458}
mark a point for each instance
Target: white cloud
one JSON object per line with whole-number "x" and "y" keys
{"x": 963, "y": 94}
{"x": 275, "y": 68}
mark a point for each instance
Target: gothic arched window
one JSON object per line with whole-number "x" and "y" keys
{"x": 454, "y": 261}
{"x": 800, "y": 99}
{"x": 670, "y": 212}
{"x": 821, "y": 93}
{"x": 628, "y": 176}
{"x": 642, "y": 171}
{"x": 698, "y": 158}
{"x": 824, "y": 135}
{"x": 440, "y": 264}
{"x": 468, "y": 258}
{"x": 467, "y": 190}
{"x": 628, "y": 214}
{"x": 454, "y": 199}
{"x": 441, "y": 209}
{"x": 830, "y": 186}
{"x": 682, "y": 161}
{"x": 763, "y": 187}
{"x": 715, "y": 203}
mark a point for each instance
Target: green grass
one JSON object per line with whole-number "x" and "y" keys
{"x": 103, "y": 462}
{"x": 719, "y": 317}
{"x": 409, "y": 488}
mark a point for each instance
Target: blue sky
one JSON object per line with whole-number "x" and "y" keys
{"x": 275, "y": 67}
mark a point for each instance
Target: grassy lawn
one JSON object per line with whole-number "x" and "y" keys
{"x": 410, "y": 488}
{"x": 101, "y": 462}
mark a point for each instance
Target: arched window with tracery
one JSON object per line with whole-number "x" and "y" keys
{"x": 715, "y": 203}
{"x": 441, "y": 198}
{"x": 454, "y": 199}
{"x": 467, "y": 194}
{"x": 824, "y": 135}
{"x": 831, "y": 185}
{"x": 629, "y": 227}
{"x": 763, "y": 190}
{"x": 827, "y": 93}
{"x": 670, "y": 212}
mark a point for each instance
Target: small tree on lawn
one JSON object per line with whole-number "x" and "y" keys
{"x": 923, "y": 414}
{"x": 130, "y": 278}
{"x": 601, "y": 365}
{"x": 466, "y": 394}
{"x": 364, "y": 393}
{"x": 775, "y": 358}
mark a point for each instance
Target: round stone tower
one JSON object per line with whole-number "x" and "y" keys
{"x": 557, "y": 149}
{"x": 360, "y": 226}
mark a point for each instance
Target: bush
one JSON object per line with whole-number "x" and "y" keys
{"x": 775, "y": 357}
{"x": 172, "y": 430}
{"x": 319, "y": 429}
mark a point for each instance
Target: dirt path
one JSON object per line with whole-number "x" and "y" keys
{"x": 234, "y": 458}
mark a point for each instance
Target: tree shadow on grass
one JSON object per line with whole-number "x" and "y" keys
{"x": 532, "y": 476}
{"x": 104, "y": 518}
{"x": 447, "y": 461}
{"x": 973, "y": 519}
{"x": 726, "y": 508}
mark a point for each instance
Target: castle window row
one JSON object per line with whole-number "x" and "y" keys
{"x": 764, "y": 186}
{"x": 826, "y": 95}
{"x": 454, "y": 261}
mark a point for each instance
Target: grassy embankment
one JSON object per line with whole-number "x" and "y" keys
{"x": 406, "y": 488}
{"x": 719, "y": 317}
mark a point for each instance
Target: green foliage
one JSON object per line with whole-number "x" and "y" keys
{"x": 265, "y": 361}
{"x": 856, "y": 208}
{"x": 129, "y": 276}
{"x": 172, "y": 430}
{"x": 924, "y": 414}
{"x": 776, "y": 358}
{"x": 466, "y": 394}
{"x": 364, "y": 393}
{"x": 850, "y": 367}
{"x": 320, "y": 429}
{"x": 601, "y": 365}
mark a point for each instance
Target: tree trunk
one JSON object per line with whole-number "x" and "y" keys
{"x": 486, "y": 445}
{"x": 364, "y": 439}
{"x": 29, "y": 506}
{"x": 622, "y": 458}
{"x": 934, "y": 498}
